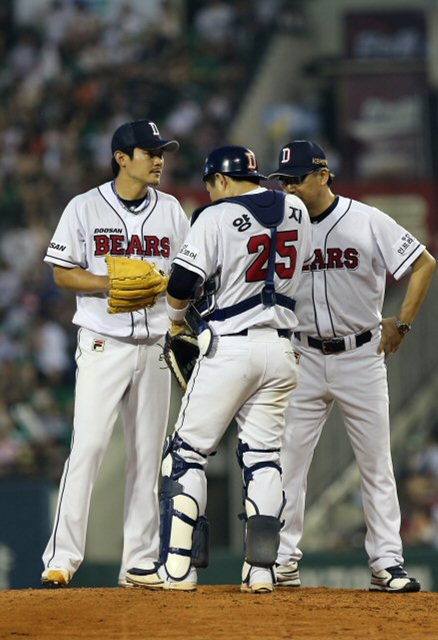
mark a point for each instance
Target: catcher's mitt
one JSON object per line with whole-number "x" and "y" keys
{"x": 180, "y": 353}
{"x": 134, "y": 284}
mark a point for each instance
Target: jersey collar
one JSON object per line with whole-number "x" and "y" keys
{"x": 322, "y": 216}
{"x": 137, "y": 205}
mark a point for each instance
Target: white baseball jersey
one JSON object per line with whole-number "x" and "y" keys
{"x": 340, "y": 294}
{"x": 227, "y": 240}
{"x": 342, "y": 291}
{"x": 96, "y": 223}
{"x": 119, "y": 371}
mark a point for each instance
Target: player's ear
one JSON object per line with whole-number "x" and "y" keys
{"x": 324, "y": 175}
{"x": 120, "y": 157}
{"x": 222, "y": 181}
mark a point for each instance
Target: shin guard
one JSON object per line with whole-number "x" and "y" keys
{"x": 179, "y": 515}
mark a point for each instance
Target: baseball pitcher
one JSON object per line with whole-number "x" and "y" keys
{"x": 113, "y": 247}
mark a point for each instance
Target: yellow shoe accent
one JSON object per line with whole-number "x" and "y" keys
{"x": 261, "y": 587}
{"x": 56, "y": 577}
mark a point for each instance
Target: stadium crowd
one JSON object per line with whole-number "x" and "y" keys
{"x": 67, "y": 81}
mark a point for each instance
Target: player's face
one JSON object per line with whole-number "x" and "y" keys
{"x": 305, "y": 187}
{"x": 146, "y": 166}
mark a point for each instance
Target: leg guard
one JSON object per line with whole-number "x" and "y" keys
{"x": 179, "y": 514}
{"x": 262, "y": 537}
{"x": 183, "y": 535}
{"x": 262, "y": 532}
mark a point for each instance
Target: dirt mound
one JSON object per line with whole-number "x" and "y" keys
{"x": 216, "y": 612}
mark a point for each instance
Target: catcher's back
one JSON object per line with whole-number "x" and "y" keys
{"x": 228, "y": 239}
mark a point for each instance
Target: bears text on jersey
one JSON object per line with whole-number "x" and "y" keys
{"x": 117, "y": 245}
{"x": 336, "y": 259}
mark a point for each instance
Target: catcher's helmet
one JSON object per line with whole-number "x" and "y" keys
{"x": 232, "y": 161}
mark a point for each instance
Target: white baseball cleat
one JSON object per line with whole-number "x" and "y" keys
{"x": 148, "y": 578}
{"x": 56, "y": 577}
{"x": 287, "y": 575}
{"x": 122, "y": 582}
{"x": 393, "y": 580}
{"x": 189, "y": 583}
{"x": 256, "y": 579}
{"x": 153, "y": 579}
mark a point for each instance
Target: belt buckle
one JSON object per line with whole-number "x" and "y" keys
{"x": 325, "y": 348}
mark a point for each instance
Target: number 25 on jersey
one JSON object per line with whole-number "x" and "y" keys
{"x": 257, "y": 271}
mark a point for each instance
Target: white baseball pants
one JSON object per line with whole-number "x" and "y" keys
{"x": 357, "y": 381}
{"x": 126, "y": 377}
{"x": 249, "y": 378}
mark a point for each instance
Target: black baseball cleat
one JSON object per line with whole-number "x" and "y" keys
{"x": 393, "y": 580}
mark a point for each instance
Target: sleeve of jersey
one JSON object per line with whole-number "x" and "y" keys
{"x": 67, "y": 246}
{"x": 200, "y": 249}
{"x": 398, "y": 248}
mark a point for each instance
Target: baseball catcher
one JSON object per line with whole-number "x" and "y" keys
{"x": 134, "y": 284}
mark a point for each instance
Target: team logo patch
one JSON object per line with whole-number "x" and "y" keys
{"x": 98, "y": 345}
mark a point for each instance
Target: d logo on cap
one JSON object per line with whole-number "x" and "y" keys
{"x": 285, "y": 155}
{"x": 154, "y": 129}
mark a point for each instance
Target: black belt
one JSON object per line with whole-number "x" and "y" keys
{"x": 283, "y": 333}
{"x": 335, "y": 345}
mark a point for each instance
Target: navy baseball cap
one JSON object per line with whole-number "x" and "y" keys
{"x": 300, "y": 157}
{"x": 143, "y": 134}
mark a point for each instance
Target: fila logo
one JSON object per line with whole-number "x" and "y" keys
{"x": 252, "y": 162}
{"x": 154, "y": 129}
{"x": 285, "y": 155}
{"x": 98, "y": 345}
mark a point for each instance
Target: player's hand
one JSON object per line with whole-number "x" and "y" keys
{"x": 176, "y": 328}
{"x": 391, "y": 337}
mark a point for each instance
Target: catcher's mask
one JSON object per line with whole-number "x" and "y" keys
{"x": 234, "y": 161}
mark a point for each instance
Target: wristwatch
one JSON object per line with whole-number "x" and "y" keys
{"x": 403, "y": 327}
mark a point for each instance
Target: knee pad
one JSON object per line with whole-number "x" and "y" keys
{"x": 178, "y": 520}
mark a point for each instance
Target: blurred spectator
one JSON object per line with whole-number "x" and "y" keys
{"x": 419, "y": 493}
{"x": 51, "y": 348}
{"x": 426, "y": 460}
{"x": 55, "y": 21}
{"x": 215, "y": 21}
{"x": 14, "y": 454}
